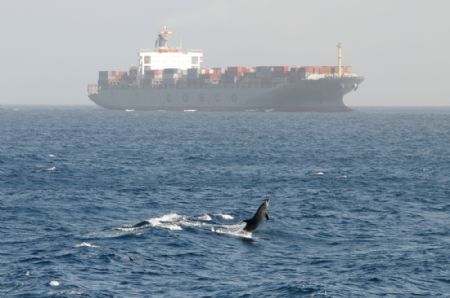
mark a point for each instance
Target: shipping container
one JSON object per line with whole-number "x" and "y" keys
{"x": 325, "y": 69}
{"x": 192, "y": 73}
{"x": 169, "y": 71}
{"x": 280, "y": 69}
{"x": 108, "y": 75}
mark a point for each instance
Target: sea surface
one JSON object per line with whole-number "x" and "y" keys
{"x": 360, "y": 203}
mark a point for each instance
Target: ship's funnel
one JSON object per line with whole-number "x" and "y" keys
{"x": 163, "y": 38}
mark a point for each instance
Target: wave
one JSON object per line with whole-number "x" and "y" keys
{"x": 85, "y": 244}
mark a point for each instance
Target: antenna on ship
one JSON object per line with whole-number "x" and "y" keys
{"x": 339, "y": 46}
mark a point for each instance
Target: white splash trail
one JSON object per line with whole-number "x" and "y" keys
{"x": 174, "y": 221}
{"x": 236, "y": 230}
{"x": 224, "y": 216}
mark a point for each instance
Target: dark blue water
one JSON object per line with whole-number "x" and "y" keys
{"x": 360, "y": 203}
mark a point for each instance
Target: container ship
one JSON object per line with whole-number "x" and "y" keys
{"x": 172, "y": 79}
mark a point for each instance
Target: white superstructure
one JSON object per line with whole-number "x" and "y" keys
{"x": 163, "y": 57}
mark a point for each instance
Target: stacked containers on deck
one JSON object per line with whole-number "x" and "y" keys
{"x": 132, "y": 74}
{"x": 279, "y": 71}
{"x": 156, "y": 74}
{"x": 192, "y": 76}
{"x": 152, "y": 77}
{"x": 171, "y": 75}
{"x": 279, "y": 74}
{"x": 217, "y": 74}
{"x": 345, "y": 70}
{"x": 263, "y": 75}
{"x": 211, "y": 75}
{"x": 234, "y": 73}
{"x": 325, "y": 70}
{"x": 303, "y": 71}
{"x": 294, "y": 74}
{"x": 248, "y": 78}
{"x": 263, "y": 71}
{"x": 147, "y": 79}
{"x": 111, "y": 78}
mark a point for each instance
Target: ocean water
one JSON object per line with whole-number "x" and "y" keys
{"x": 360, "y": 203}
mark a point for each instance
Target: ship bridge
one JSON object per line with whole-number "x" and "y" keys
{"x": 163, "y": 56}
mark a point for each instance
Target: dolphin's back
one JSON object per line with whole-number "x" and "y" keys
{"x": 254, "y": 222}
{"x": 251, "y": 225}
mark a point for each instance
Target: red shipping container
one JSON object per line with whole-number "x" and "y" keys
{"x": 308, "y": 69}
{"x": 324, "y": 69}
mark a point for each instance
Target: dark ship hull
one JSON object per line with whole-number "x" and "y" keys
{"x": 321, "y": 95}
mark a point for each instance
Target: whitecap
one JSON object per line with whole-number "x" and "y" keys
{"x": 51, "y": 169}
{"x": 320, "y": 173}
{"x": 172, "y": 227}
{"x": 166, "y": 221}
{"x": 129, "y": 110}
{"x": 128, "y": 228}
{"x": 224, "y": 216}
{"x": 170, "y": 217}
{"x": 205, "y": 217}
{"x": 51, "y": 155}
{"x": 85, "y": 244}
{"x": 54, "y": 283}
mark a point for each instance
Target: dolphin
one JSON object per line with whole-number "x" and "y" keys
{"x": 255, "y": 221}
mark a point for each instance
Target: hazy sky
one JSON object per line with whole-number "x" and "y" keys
{"x": 51, "y": 49}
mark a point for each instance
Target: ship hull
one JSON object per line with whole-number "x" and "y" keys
{"x": 324, "y": 95}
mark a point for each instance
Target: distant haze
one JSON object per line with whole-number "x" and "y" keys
{"x": 51, "y": 49}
